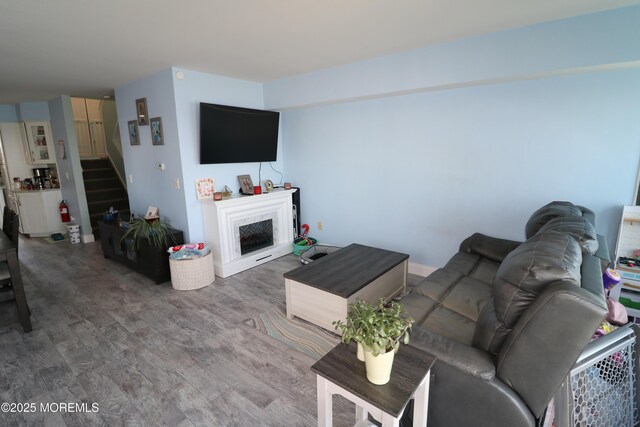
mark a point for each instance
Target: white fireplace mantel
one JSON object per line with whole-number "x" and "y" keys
{"x": 223, "y": 218}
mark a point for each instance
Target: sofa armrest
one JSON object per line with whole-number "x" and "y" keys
{"x": 547, "y": 340}
{"x": 469, "y": 360}
{"x": 488, "y": 247}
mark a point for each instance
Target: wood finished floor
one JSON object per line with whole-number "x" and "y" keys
{"x": 147, "y": 354}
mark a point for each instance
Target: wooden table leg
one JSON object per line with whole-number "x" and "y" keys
{"x": 421, "y": 402}
{"x": 18, "y": 290}
{"x": 325, "y": 403}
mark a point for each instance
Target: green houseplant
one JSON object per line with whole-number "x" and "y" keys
{"x": 356, "y": 324}
{"x": 155, "y": 231}
{"x": 379, "y": 330}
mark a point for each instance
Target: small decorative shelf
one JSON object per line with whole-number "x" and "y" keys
{"x": 631, "y": 220}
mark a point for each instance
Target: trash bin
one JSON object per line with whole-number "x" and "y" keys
{"x": 74, "y": 232}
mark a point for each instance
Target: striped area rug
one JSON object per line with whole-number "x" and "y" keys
{"x": 303, "y": 336}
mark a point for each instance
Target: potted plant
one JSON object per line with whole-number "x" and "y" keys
{"x": 379, "y": 330}
{"x": 155, "y": 231}
{"x": 353, "y": 329}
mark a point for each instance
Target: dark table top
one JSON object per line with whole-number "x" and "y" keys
{"x": 347, "y": 270}
{"x": 410, "y": 366}
{"x": 6, "y": 244}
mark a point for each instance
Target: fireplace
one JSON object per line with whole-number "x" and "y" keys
{"x": 245, "y": 231}
{"x": 256, "y": 236}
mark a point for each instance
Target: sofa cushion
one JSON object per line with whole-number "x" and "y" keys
{"x": 448, "y": 303}
{"x": 577, "y": 227}
{"x": 450, "y": 324}
{"x": 547, "y": 213}
{"x": 473, "y": 265}
{"x": 543, "y": 259}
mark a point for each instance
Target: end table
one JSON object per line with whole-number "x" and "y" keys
{"x": 340, "y": 372}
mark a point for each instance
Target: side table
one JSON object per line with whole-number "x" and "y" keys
{"x": 340, "y": 372}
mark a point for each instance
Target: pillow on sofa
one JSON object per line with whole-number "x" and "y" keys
{"x": 547, "y": 213}
{"x": 577, "y": 227}
{"x": 543, "y": 259}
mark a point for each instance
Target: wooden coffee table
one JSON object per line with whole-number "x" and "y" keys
{"x": 340, "y": 372}
{"x": 321, "y": 291}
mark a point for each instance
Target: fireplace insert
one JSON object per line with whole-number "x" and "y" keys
{"x": 256, "y": 236}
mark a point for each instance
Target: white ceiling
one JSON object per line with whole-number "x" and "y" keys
{"x": 88, "y": 47}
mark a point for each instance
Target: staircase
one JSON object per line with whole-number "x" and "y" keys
{"x": 103, "y": 190}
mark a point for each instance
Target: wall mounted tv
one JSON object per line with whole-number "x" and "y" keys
{"x": 237, "y": 135}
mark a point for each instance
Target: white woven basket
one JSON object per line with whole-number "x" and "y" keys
{"x": 190, "y": 274}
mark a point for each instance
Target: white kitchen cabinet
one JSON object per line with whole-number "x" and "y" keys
{"x": 38, "y": 143}
{"x": 38, "y": 210}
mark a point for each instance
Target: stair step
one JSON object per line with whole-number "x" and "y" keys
{"x": 105, "y": 194}
{"x": 103, "y": 190}
{"x": 98, "y": 173}
{"x": 95, "y": 164}
{"x": 102, "y": 183}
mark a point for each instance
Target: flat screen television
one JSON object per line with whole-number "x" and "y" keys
{"x": 237, "y": 135}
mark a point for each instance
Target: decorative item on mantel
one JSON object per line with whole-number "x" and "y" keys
{"x": 205, "y": 188}
{"x": 227, "y": 192}
{"x": 246, "y": 184}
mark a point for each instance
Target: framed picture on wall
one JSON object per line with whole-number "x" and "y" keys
{"x": 156, "y": 131}
{"x": 141, "y": 111}
{"x": 134, "y": 134}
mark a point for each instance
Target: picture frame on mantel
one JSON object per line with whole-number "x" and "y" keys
{"x": 246, "y": 184}
{"x": 134, "y": 133}
{"x": 141, "y": 111}
{"x": 156, "y": 131}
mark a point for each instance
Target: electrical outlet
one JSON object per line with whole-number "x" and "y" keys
{"x": 319, "y": 225}
{"x": 130, "y": 179}
{"x": 177, "y": 183}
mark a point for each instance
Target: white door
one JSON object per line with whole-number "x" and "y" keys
{"x": 84, "y": 139}
{"x": 96, "y": 129}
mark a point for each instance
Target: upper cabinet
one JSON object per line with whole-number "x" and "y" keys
{"x": 39, "y": 147}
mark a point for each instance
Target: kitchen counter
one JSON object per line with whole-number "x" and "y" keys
{"x": 35, "y": 191}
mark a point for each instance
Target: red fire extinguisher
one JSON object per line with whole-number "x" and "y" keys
{"x": 64, "y": 211}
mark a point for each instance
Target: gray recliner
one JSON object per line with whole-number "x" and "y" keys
{"x": 507, "y": 320}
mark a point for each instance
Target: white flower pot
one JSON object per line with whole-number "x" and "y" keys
{"x": 379, "y": 367}
{"x": 360, "y": 352}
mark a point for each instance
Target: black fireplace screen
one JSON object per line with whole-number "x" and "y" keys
{"x": 256, "y": 236}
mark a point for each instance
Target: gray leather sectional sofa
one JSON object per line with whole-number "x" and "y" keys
{"x": 507, "y": 320}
